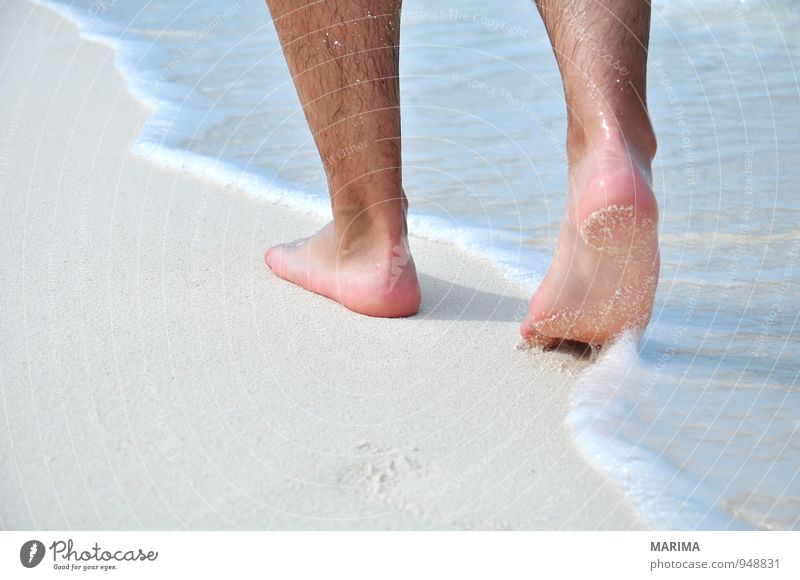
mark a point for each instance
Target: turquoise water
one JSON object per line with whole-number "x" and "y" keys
{"x": 700, "y": 421}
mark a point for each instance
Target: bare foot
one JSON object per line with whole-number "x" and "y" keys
{"x": 378, "y": 280}
{"x": 605, "y": 270}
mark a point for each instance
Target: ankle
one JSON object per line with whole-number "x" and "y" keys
{"x": 600, "y": 134}
{"x": 371, "y": 231}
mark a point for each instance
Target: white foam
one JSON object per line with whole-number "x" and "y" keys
{"x": 520, "y": 264}
{"x": 229, "y": 175}
{"x": 95, "y": 29}
{"x": 608, "y": 425}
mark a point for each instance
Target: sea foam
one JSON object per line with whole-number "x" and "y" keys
{"x": 608, "y": 403}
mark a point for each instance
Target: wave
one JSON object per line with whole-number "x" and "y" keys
{"x": 608, "y": 422}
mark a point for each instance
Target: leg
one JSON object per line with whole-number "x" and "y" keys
{"x": 343, "y": 57}
{"x": 605, "y": 269}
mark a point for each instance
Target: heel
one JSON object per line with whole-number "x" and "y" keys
{"x": 619, "y": 228}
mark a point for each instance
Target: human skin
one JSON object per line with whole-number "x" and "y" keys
{"x": 343, "y": 56}
{"x": 344, "y": 59}
{"x": 604, "y": 273}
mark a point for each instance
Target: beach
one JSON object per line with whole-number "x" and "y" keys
{"x": 155, "y": 375}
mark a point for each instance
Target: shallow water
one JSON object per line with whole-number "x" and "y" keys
{"x": 699, "y": 421}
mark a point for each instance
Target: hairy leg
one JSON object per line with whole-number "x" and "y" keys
{"x": 343, "y": 57}
{"x": 605, "y": 270}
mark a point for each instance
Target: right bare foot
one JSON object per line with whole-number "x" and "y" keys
{"x": 377, "y": 279}
{"x": 605, "y": 270}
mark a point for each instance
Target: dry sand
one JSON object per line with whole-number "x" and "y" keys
{"x": 155, "y": 375}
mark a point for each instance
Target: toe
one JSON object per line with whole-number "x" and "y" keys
{"x": 528, "y": 331}
{"x": 272, "y": 258}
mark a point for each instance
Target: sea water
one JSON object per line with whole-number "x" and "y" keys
{"x": 698, "y": 421}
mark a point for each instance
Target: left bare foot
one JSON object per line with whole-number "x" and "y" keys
{"x": 377, "y": 279}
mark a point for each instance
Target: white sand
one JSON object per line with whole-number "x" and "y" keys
{"x": 154, "y": 374}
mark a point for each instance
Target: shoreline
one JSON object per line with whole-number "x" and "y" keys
{"x": 156, "y": 376}
{"x": 517, "y": 261}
